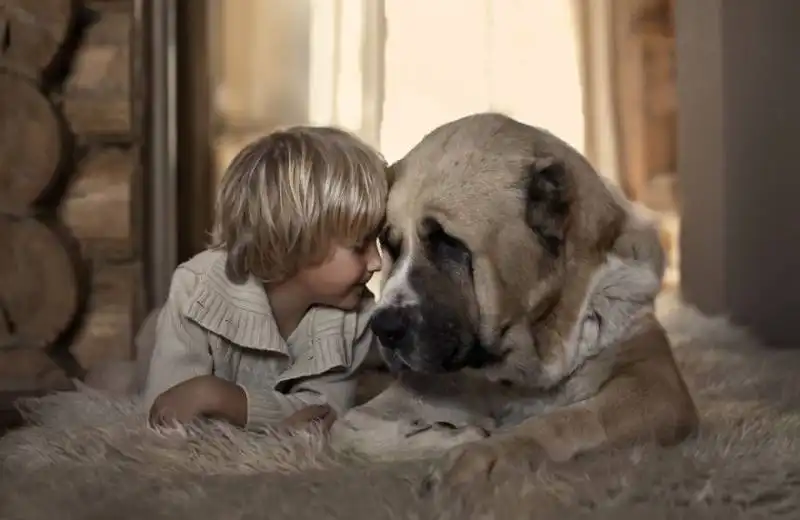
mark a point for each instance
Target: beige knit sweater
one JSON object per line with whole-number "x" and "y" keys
{"x": 212, "y": 326}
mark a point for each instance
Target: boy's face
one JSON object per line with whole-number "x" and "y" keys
{"x": 341, "y": 280}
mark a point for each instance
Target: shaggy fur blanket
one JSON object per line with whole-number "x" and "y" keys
{"x": 90, "y": 457}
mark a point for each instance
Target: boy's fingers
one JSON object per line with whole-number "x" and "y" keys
{"x": 327, "y": 420}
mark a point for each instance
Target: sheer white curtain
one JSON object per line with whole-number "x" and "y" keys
{"x": 346, "y": 57}
{"x": 600, "y": 114}
{"x": 391, "y": 70}
{"x": 446, "y": 59}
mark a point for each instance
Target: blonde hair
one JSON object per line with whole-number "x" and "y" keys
{"x": 287, "y": 198}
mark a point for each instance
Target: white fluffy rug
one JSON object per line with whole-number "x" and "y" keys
{"x": 89, "y": 457}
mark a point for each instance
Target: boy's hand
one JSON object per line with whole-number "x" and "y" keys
{"x": 182, "y": 403}
{"x": 211, "y": 396}
{"x": 313, "y": 414}
{"x": 201, "y": 396}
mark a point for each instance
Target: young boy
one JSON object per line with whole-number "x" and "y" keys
{"x": 269, "y": 325}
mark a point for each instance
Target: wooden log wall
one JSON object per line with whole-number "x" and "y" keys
{"x": 70, "y": 265}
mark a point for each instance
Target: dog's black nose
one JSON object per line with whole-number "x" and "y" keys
{"x": 390, "y": 325}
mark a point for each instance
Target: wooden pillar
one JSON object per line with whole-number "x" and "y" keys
{"x": 194, "y": 127}
{"x": 739, "y": 122}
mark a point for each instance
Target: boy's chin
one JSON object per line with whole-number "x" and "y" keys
{"x": 353, "y": 300}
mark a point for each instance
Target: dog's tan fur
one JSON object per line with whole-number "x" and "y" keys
{"x": 579, "y": 386}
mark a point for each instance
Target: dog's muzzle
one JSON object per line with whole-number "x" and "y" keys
{"x": 392, "y": 326}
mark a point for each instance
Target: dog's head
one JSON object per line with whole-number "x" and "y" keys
{"x": 485, "y": 218}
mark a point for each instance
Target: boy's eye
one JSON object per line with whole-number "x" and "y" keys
{"x": 365, "y": 243}
{"x": 363, "y": 246}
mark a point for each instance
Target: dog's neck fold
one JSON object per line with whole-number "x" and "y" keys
{"x": 619, "y": 294}
{"x": 594, "y": 308}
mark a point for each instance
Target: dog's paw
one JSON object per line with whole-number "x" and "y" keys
{"x": 488, "y": 462}
{"x": 439, "y": 437}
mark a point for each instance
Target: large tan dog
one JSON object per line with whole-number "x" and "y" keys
{"x": 524, "y": 284}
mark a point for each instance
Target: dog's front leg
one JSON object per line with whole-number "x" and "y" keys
{"x": 646, "y": 400}
{"x": 411, "y": 421}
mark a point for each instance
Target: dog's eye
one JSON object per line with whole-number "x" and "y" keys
{"x": 446, "y": 251}
{"x": 389, "y": 244}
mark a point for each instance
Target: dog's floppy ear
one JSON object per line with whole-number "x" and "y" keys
{"x": 547, "y": 202}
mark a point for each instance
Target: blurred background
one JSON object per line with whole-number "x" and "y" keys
{"x": 119, "y": 117}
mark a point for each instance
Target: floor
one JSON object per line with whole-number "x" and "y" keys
{"x": 9, "y": 416}
{"x": 744, "y": 464}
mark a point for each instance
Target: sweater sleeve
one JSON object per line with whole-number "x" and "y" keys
{"x": 181, "y": 349}
{"x": 336, "y": 388}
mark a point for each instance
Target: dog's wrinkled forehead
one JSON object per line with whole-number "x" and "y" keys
{"x": 459, "y": 170}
